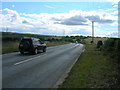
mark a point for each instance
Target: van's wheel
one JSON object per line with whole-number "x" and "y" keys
{"x": 44, "y": 49}
{"x": 35, "y": 51}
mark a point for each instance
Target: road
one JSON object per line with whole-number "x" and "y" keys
{"x": 43, "y": 70}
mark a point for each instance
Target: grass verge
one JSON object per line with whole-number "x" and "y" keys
{"x": 92, "y": 70}
{"x": 10, "y": 46}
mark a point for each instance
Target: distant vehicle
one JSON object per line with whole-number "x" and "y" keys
{"x": 76, "y": 42}
{"x": 31, "y": 45}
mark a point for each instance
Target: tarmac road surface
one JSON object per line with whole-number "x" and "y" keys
{"x": 38, "y": 71}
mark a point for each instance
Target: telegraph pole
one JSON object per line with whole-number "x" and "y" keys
{"x": 92, "y": 31}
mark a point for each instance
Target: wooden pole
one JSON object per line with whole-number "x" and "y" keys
{"x": 92, "y": 31}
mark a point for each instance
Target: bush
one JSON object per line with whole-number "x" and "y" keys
{"x": 108, "y": 46}
{"x": 99, "y": 44}
{"x": 111, "y": 47}
{"x": 117, "y": 50}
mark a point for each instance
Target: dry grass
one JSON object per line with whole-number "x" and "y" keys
{"x": 8, "y": 47}
{"x": 95, "y": 39}
{"x": 49, "y": 44}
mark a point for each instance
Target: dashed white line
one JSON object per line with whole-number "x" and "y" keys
{"x": 28, "y": 60}
{"x": 36, "y": 57}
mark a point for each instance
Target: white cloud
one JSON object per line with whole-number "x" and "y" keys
{"x": 79, "y": 17}
{"x": 113, "y": 1}
{"x": 54, "y": 24}
{"x": 111, "y": 9}
{"x": 13, "y": 20}
{"x": 49, "y": 6}
{"x": 76, "y": 34}
{"x": 10, "y": 11}
{"x": 112, "y": 34}
{"x": 115, "y": 6}
{"x": 114, "y": 24}
{"x": 115, "y": 12}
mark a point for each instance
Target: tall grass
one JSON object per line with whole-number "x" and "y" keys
{"x": 12, "y": 46}
{"x": 8, "y": 47}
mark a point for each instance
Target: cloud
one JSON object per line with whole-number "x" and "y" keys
{"x": 112, "y": 34}
{"x": 74, "y": 17}
{"x": 99, "y": 20}
{"x": 49, "y": 6}
{"x": 79, "y": 17}
{"x": 113, "y": 1}
{"x": 13, "y": 20}
{"x": 115, "y": 12}
{"x": 75, "y": 21}
{"x": 10, "y": 11}
{"x": 111, "y": 9}
{"x": 115, "y": 6}
{"x": 11, "y": 16}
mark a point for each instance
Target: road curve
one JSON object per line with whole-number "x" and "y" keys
{"x": 38, "y": 71}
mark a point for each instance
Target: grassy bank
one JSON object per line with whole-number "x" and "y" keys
{"x": 92, "y": 70}
{"x": 10, "y": 46}
{"x": 49, "y": 44}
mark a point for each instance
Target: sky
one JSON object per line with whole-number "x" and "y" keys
{"x": 60, "y": 18}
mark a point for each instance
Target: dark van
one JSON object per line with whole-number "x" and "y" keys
{"x": 31, "y": 45}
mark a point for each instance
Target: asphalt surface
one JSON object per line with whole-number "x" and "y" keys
{"x": 38, "y": 71}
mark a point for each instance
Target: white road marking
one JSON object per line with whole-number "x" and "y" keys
{"x": 27, "y": 60}
{"x": 37, "y": 57}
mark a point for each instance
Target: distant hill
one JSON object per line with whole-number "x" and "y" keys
{"x": 17, "y": 36}
{"x": 13, "y": 34}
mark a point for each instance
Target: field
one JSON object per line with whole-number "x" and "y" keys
{"x": 95, "y": 39}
